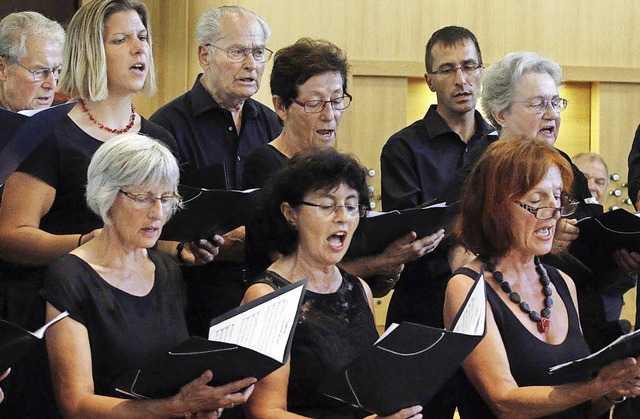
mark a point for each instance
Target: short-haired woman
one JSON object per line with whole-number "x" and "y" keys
{"x": 313, "y": 207}
{"x": 309, "y": 87}
{"x": 511, "y": 205}
{"x": 126, "y": 301}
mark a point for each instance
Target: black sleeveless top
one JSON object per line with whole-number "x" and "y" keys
{"x": 332, "y": 330}
{"x": 529, "y": 357}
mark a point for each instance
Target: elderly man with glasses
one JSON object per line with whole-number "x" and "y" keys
{"x": 216, "y": 125}
{"x": 30, "y": 57}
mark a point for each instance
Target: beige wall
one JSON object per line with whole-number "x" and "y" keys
{"x": 593, "y": 41}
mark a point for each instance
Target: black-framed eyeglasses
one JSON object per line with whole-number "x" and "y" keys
{"x": 43, "y": 73}
{"x": 540, "y": 105}
{"x": 352, "y": 210}
{"x": 238, "y": 55}
{"x": 316, "y": 106}
{"x": 544, "y": 213}
{"x": 470, "y": 69}
{"x": 148, "y": 200}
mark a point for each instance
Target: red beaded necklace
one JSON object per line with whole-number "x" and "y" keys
{"x": 103, "y": 126}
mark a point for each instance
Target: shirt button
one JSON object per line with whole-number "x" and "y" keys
{"x": 238, "y": 158}
{"x": 230, "y": 128}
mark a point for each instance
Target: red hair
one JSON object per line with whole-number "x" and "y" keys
{"x": 508, "y": 169}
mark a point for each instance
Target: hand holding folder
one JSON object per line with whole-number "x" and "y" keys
{"x": 208, "y": 212}
{"x": 250, "y": 341}
{"x": 602, "y": 235}
{"x": 410, "y": 362}
{"x": 582, "y": 369}
{"x": 379, "y": 229}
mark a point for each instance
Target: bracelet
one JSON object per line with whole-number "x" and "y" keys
{"x": 615, "y": 401}
{"x": 80, "y": 240}
{"x": 179, "y": 248}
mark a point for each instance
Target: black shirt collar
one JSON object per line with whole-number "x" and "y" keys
{"x": 202, "y": 102}
{"x": 437, "y": 126}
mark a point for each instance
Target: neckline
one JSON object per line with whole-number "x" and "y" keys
{"x": 95, "y": 274}
{"x": 521, "y": 325}
{"x": 308, "y": 291}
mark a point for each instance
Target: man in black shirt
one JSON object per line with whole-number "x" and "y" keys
{"x": 418, "y": 161}
{"x": 216, "y": 124}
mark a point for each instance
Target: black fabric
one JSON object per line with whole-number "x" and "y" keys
{"x": 212, "y": 155}
{"x": 417, "y": 162}
{"x": 260, "y": 165}
{"x": 212, "y": 152}
{"x": 332, "y": 329}
{"x": 598, "y": 332}
{"x": 61, "y": 161}
{"x": 634, "y": 167}
{"x": 124, "y": 329}
{"x": 529, "y": 357}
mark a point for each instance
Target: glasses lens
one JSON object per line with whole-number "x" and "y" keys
{"x": 237, "y": 55}
{"x": 569, "y": 209}
{"x": 314, "y": 106}
{"x": 341, "y": 103}
{"x": 545, "y": 213}
{"x": 559, "y": 104}
{"x": 471, "y": 69}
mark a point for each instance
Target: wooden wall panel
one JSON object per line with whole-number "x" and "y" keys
{"x": 575, "y": 130}
{"x": 618, "y": 118}
{"x": 378, "y": 111}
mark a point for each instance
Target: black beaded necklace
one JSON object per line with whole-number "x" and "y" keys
{"x": 544, "y": 318}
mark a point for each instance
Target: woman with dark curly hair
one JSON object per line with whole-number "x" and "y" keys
{"x": 313, "y": 206}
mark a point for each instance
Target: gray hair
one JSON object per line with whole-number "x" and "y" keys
{"x": 127, "y": 161}
{"x": 500, "y": 79}
{"x": 15, "y": 28}
{"x": 208, "y": 26}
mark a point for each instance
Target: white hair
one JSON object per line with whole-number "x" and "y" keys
{"x": 208, "y": 26}
{"x": 500, "y": 79}
{"x": 127, "y": 161}
{"x": 16, "y": 27}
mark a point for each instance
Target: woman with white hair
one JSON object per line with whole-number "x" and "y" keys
{"x": 126, "y": 301}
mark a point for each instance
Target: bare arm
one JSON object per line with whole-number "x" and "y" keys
{"x": 269, "y": 399}
{"x": 70, "y": 361}
{"x": 488, "y": 370}
{"x": 26, "y": 199}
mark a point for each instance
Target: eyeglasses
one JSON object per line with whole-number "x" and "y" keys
{"x": 544, "y": 213}
{"x": 541, "y": 105}
{"x": 317, "y": 106}
{"x": 43, "y": 74}
{"x": 470, "y": 69}
{"x": 148, "y": 200}
{"x": 352, "y": 210}
{"x": 238, "y": 55}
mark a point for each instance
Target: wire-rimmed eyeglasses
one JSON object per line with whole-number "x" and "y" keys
{"x": 352, "y": 210}
{"x": 470, "y": 69}
{"x": 148, "y": 200}
{"x": 238, "y": 55}
{"x": 316, "y": 106}
{"x": 540, "y": 105}
{"x": 43, "y": 73}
